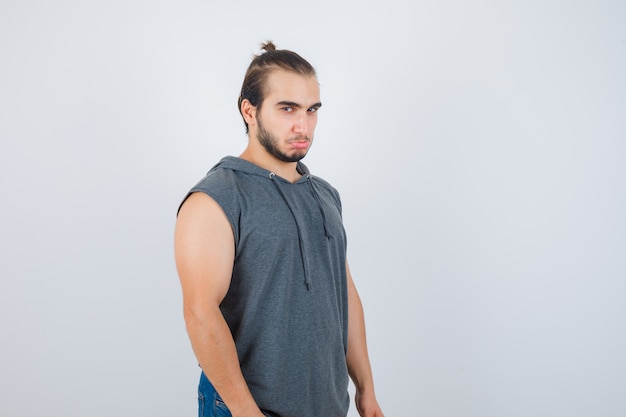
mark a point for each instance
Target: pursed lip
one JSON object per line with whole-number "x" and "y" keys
{"x": 300, "y": 144}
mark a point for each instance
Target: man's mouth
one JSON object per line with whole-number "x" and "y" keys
{"x": 300, "y": 143}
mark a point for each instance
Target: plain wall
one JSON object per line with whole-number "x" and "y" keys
{"x": 478, "y": 146}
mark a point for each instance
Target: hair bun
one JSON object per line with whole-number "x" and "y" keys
{"x": 268, "y": 46}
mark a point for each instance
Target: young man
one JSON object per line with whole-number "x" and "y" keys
{"x": 273, "y": 315}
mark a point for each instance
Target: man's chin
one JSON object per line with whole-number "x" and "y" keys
{"x": 292, "y": 157}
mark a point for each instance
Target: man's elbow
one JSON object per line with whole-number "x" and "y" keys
{"x": 198, "y": 315}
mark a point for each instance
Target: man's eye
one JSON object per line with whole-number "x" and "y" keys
{"x": 287, "y": 109}
{"x": 313, "y": 109}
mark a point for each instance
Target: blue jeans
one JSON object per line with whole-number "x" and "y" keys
{"x": 210, "y": 404}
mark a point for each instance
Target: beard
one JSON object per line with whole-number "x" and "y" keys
{"x": 270, "y": 143}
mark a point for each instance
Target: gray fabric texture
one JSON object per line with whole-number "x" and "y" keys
{"x": 287, "y": 305}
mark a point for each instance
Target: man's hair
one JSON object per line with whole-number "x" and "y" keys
{"x": 254, "y": 86}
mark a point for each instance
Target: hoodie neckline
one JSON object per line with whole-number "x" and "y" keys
{"x": 239, "y": 164}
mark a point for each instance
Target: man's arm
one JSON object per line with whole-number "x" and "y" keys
{"x": 357, "y": 357}
{"x": 204, "y": 251}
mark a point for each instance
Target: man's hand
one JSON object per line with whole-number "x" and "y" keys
{"x": 367, "y": 406}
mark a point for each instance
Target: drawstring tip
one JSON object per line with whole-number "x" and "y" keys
{"x": 308, "y": 286}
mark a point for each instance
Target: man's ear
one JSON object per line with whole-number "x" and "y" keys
{"x": 248, "y": 111}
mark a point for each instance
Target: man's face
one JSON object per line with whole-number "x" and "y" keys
{"x": 286, "y": 120}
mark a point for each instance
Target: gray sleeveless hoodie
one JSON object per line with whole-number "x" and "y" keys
{"x": 287, "y": 305}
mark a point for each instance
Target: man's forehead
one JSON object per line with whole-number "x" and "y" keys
{"x": 284, "y": 81}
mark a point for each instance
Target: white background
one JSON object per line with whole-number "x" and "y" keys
{"x": 479, "y": 147}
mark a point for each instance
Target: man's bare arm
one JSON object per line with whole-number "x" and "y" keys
{"x": 357, "y": 356}
{"x": 204, "y": 251}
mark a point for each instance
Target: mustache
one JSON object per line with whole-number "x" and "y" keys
{"x": 300, "y": 139}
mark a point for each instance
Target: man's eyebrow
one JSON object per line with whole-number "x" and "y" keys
{"x": 297, "y": 105}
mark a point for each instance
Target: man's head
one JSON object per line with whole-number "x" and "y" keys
{"x": 255, "y": 83}
{"x": 279, "y": 102}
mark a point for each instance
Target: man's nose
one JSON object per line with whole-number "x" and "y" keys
{"x": 300, "y": 125}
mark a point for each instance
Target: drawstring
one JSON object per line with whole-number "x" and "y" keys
{"x": 305, "y": 264}
{"x": 315, "y": 193}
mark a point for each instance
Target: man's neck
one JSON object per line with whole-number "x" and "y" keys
{"x": 286, "y": 170}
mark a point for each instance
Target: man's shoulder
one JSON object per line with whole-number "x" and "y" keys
{"x": 326, "y": 189}
{"x": 219, "y": 176}
{"x": 322, "y": 182}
